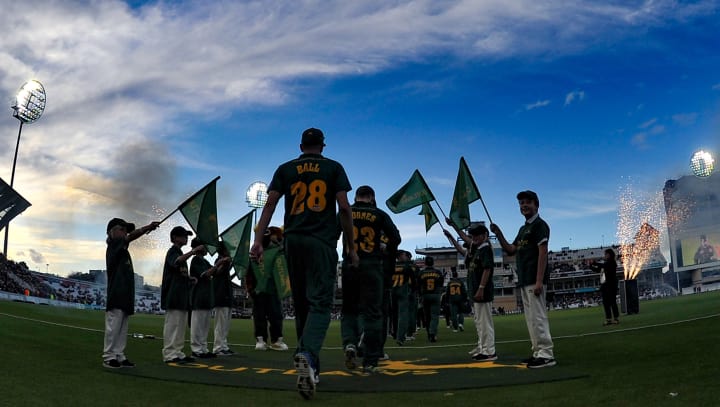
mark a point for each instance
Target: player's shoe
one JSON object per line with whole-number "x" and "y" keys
{"x": 225, "y": 352}
{"x": 350, "y": 355}
{"x": 307, "y": 375}
{"x": 385, "y": 356}
{"x": 475, "y": 351}
{"x": 260, "y": 344}
{"x": 370, "y": 370}
{"x": 433, "y": 338}
{"x": 127, "y": 363}
{"x": 112, "y": 364}
{"x": 481, "y": 357}
{"x": 279, "y": 345}
{"x": 538, "y": 363}
{"x": 410, "y": 338}
{"x": 461, "y": 327}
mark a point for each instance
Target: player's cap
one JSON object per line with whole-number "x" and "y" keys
{"x": 478, "y": 229}
{"x": 365, "y": 190}
{"x": 528, "y": 195}
{"x": 129, "y": 227}
{"x": 313, "y": 137}
{"x": 179, "y": 231}
{"x": 195, "y": 243}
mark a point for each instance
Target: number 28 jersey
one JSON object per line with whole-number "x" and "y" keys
{"x": 309, "y": 184}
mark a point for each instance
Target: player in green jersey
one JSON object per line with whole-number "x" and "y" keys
{"x": 431, "y": 281}
{"x": 312, "y": 186}
{"x": 363, "y": 286}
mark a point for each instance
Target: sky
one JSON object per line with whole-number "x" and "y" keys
{"x": 587, "y": 103}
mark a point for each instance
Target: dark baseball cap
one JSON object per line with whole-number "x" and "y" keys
{"x": 180, "y": 231}
{"x": 313, "y": 137}
{"x": 129, "y": 227}
{"x": 528, "y": 195}
{"x": 195, "y": 243}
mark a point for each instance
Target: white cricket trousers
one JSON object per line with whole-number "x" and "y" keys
{"x": 485, "y": 327}
{"x": 222, "y": 328}
{"x": 116, "y": 329}
{"x": 174, "y": 334}
{"x": 199, "y": 327}
{"x": 537, "y": 322}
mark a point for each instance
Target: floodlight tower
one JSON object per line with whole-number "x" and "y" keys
{"x": 29, "y": 106}
{"x": 256, "y": 196}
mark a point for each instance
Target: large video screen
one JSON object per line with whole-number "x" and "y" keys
{"x": 693, "y": 217}
{"x": 699, "y": 247}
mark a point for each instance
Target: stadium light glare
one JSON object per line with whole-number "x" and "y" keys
{"x": 702, "y": 164}
{"x": 256, "y": 195}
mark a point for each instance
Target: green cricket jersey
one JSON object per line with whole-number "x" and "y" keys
{"x": 529, "y": 237}
{"x": 309, "y": 184}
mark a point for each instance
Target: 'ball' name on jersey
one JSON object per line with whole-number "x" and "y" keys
{"x": 311, "y": 167}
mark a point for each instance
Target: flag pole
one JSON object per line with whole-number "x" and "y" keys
{"x": 485, "y": 207}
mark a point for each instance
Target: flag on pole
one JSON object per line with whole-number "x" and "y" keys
{"x": 236, "y": 239}
{"x": 430, "y": 217}
{"x": 465, "y": 193}
{"x": 200, "y": 211}
{"x": 414, "y": 193}
{"x": 12, "y": 204}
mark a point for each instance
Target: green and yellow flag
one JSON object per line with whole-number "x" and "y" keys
{"x": 236, "y": 239}
{"x": 430, "y": 217}
{"x": 200, "y": 211}
{"x": 273, "y": 266}
{"x": 465, "y": 193}
{"x": 414, "y": 193}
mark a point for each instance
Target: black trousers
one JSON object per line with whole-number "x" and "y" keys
{"x": 609, "y": 294}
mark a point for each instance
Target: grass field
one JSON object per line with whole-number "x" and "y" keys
{"x": 667, "y": 355}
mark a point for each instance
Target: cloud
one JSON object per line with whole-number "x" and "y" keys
{"x": 648, "y": 123}
{"x": 578, "y": 95}
{"x": 685, "y": 119}
{"x": 539, "y": 103}
{"x": 716, "y": 86}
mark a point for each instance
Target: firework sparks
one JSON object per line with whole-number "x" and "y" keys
{"x": 639, "y": 241}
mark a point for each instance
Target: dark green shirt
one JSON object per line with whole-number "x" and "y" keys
{"x": 175, "y": 290}
{"x": 403, "y": 275}
{"x": 222, "y": 287}
{"x": 202, "y": 293}
{"x": 527, "y": 242}
{"x": 481, "y": 258}
{"x": 309, "y": 184}
{"x": 369, "y": 225}
{"x": 431, "y": 281}
{"x": 120, "y": 277}
{"x": 456, "y": 291}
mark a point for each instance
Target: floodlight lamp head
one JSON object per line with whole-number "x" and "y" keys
{"x": 702, "y": 164}
{"x": 256, "y": 195}
{"x": 29, "y": 101}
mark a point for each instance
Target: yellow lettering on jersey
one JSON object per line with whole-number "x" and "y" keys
{"x": 368, "y": 216}
{"x": 305, "y": 167}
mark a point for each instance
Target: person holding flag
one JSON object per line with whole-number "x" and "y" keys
{"x": 175, "y": 295}
{"x": 312, "y": 185}
{"x": 479, "y": 263}
{"x": 530, "y": 248}
{"x": 222, "y": 304}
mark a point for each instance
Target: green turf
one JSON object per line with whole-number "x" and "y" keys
{"x": 670, "y": 347}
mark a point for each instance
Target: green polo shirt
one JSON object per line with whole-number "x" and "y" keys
{"x": 120, "y": 277}
{"x": 175, "y": 290}
{"x": 533, "y": 233}
{"x": 202, "y": 291}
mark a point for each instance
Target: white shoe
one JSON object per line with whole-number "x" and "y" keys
{"x": 260, "y": 345}
{"x": 279, "y": 345}
{"x": 475, "y": 351}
